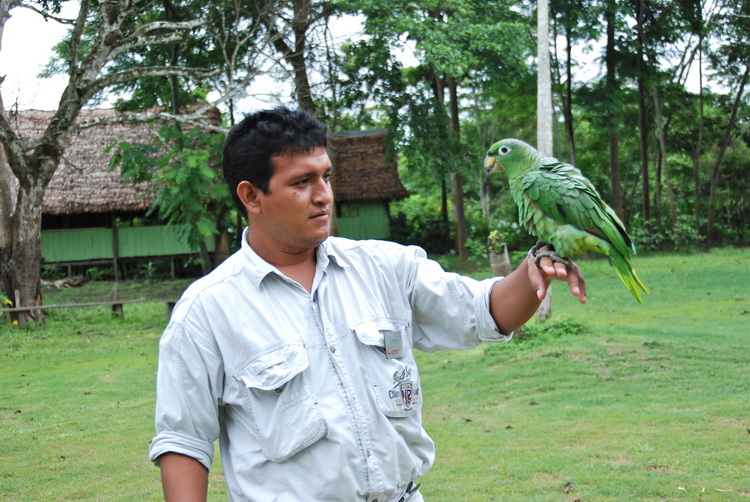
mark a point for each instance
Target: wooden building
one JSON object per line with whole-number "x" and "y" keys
{"x": 364, "y": 183}
{"x": 91, "y": 216}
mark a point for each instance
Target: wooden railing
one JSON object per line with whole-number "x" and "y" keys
{"x": 117, "y": 307}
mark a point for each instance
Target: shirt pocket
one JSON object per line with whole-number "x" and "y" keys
{"x": 284, "y": 412}
{"x": 394, "y": 381}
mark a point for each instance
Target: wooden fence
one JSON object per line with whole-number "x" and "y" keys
{"x": 117, "y": 308}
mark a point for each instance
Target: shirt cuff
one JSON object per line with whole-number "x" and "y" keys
{"x": 487, "y": 329}
{"x": 172, "y": 442}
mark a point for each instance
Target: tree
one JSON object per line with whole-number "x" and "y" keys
{"x": 733, "y": 60}
{"x": 544, "y": 109}
{"x": 578, "y": 19}
{"x": 462, "y": 48}
{"x": 289, "y": 29}
{"x": 100, "y": 33}
{"x": 614, "y": 119}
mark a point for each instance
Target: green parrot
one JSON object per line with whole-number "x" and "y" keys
{"x": 559, "y": 206}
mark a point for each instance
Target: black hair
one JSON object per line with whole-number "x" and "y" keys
{"x": 251, "y": 144}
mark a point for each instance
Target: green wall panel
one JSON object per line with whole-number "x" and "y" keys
{"x": 96, "y": 243}
{"x": 150, "y": 241}
{"x": 76, "y": 245}
{"x": 364, "y": 220}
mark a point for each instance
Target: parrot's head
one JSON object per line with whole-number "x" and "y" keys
{"x": 510, "y": 155}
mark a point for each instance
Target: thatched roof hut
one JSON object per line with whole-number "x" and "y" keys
{"x": 83, "y": 182}
{"x": 361, "y": 168}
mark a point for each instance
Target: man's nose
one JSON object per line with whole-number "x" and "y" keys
{"x": 323, "y": 194}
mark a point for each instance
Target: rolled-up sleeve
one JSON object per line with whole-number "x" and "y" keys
{"x": 449, "y": 311}
{"x": 188, "y": 392}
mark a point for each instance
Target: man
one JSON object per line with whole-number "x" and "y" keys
{"x": 296, "y": 352}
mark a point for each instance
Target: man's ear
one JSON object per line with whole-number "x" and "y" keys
{"x": 249, "y": 195}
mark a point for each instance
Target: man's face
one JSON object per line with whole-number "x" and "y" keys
{"x": 296, "y": 211}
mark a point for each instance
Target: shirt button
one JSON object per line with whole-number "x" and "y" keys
{"x": 333, "y": 349}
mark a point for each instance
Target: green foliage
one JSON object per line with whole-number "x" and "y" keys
{"x": 417, "y": 220}
{"x": 495, "y": 242}
{"x": 184, "y": 169}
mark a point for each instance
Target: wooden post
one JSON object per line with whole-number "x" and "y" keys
{"x": 117, "y": 310}
{"x": 500, "y": 262}
{"x": 115, "y": 247}
{"x": 21, "y": 315}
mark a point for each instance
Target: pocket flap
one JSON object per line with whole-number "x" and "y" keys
{"x": 273, "y": 369}
{"x": 373, "y": 332}
{"x": 369, "y": 333}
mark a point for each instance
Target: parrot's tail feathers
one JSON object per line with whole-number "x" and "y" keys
{"x": 627, "y": 275}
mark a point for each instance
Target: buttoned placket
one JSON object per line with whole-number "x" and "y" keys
{"x": 349, "y": 394}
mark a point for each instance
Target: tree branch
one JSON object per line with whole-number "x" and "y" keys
{"x": 75, "y": 38}
{"x": 197, "y": 118}
{"x": 194, "y": 74}
{"x": 46, "y": 15}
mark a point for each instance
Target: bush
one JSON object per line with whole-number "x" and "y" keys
{"x": 535, "y": 335}
{"x": 433, "y": 235}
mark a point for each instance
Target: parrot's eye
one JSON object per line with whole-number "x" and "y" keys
{"x": 504, "y": 150}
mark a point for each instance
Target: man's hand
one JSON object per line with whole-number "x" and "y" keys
{"x": 548, "y": 270}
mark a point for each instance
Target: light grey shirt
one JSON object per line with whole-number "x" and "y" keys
{"x": 314, "y": 396}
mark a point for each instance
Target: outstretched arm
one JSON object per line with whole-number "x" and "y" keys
{"x": 515, "y": 299}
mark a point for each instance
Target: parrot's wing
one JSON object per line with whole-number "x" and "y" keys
{"x": 562, "y": 193}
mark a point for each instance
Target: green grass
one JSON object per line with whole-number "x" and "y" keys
{"x": 611, "y": 400}
{"x": 649, "y": 402}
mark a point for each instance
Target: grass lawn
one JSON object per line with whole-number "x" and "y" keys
{"x": 611, "y": 400}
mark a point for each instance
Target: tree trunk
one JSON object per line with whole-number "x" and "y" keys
{"x": 457, "y": 182}
{"x": 720, "y": 160}
{"x": 643, "y": 112}
{"x": 699, "y": 141}
{"x": 21, "y": 255}
{"x": 299, "y": 66}
{"x": 615, "y": 173}
{"x": 662, "y": 138}
{"x": 544, "y": 111}
{"x": 500, "y": 263}
{"x": 568, "y": 106}
{"x": 295, "y": 56}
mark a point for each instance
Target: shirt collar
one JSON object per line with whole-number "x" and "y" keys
{"x": 329, "y": 252}
{"x": 259, "y": 268}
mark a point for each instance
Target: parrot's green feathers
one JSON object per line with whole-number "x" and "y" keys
{"x": 560, "y": 206}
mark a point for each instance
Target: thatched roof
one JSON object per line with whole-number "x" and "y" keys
{"x": 83, "y": 182}
{"x": 361, "y": 171}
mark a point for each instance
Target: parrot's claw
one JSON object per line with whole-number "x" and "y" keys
{"x": 536, "y": 247}
{"x": 552, "y": 256}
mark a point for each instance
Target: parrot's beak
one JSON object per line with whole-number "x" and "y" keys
{"x": 491, "y": 164}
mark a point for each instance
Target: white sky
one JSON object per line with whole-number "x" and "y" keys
{"x": 27, "y": 47}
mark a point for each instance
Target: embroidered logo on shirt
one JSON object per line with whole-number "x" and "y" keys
{"x": 404, "y": 394}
